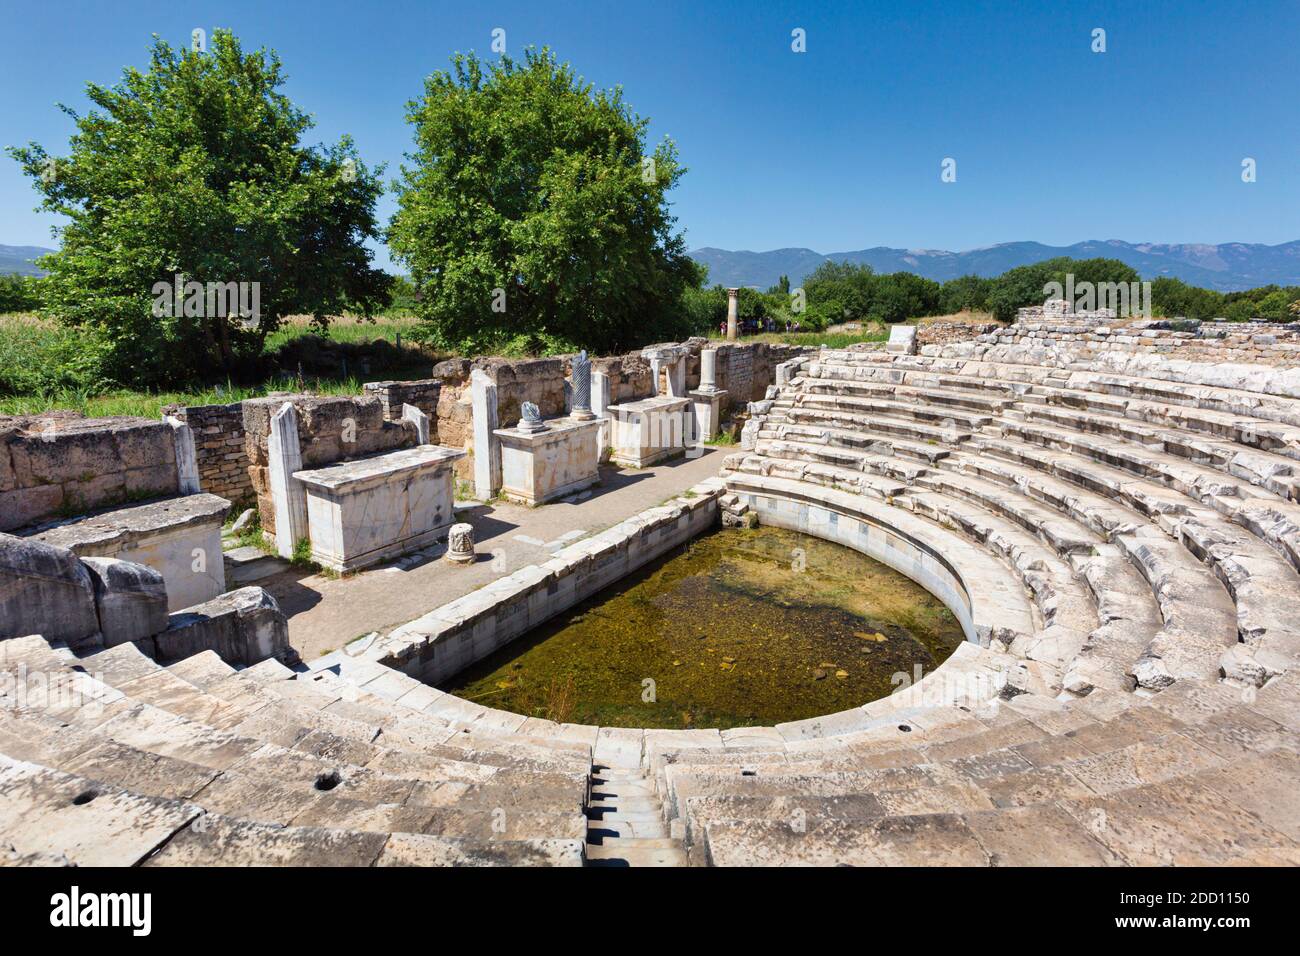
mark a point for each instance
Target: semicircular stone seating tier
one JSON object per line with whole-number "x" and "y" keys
{"x": 1121, "y": 550}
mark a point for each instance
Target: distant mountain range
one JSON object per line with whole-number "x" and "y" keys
{"x": 19, "y": 259}
{"x": 1227, "y": 267}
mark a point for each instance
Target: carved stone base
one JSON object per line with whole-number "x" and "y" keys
{"x": 460, "y": 544}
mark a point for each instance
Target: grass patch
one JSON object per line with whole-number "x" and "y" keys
{"x": 353, "y": 330}
{"x": 45, "y": 366}
{"x": 723, "y": 439}
{"x": 150, "y": 404}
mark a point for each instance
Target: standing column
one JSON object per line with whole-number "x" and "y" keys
{"x": 655, "y": 366}
{"x": 287, "y": 494}
{"x": 733, "y": 311}
{"x": 487, "y": 450}
{"x": 708, "y": 370}
{"x": 582, "y": 389}
{"x": 600, "y": 395}
{"x": 187, "y": 459}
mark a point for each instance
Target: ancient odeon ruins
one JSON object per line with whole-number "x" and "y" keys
{"x": 1110, "y": 509}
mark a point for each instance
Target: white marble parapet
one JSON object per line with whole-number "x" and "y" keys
{"x": 365, "y": 511}
{"x": 180, "y": 538}
{"x": 540, "y": 466}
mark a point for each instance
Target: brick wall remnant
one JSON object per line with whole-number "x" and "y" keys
{"x": 423, "y": 394}
{"x": 219, "y": 445}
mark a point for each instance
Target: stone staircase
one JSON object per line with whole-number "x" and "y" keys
{"x": 625, "y": 822}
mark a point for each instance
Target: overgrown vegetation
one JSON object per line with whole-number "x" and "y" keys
{"x": 196, "y": 219}
{"x": 533, "y": 214}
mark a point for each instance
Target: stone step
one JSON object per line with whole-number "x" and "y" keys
{"x": 639, "y": 843}
{"x": 247, "y": 564}
{"x": 970, "y": 399}
{"x": 828, "y": 411}
{"x": 635, "y": 856}
{"x": 620, "y": 829}
{"x": 85, "y": 823}
{"x": 624, "y": 805}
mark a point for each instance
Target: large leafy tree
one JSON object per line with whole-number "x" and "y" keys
{"x": 194, "y": 167}
{"x": 530, "y": 213}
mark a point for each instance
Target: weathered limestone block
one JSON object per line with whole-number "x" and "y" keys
{"x": 130, "y": 598}
{"x": 242, "y": 627}
{"x": 1251, "y": 666}
{"x": 45, "y": 590}
{"x": 50, "y": 464}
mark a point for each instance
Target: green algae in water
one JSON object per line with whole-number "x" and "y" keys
{"x": 735, "y": 628}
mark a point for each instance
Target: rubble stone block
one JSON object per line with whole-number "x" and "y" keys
{"x": 45, "y": 590}
{"x": 242, "y": 627}
{"x": 130, "y": 599}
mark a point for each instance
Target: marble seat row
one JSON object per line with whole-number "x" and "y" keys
{"x": 1154, "y": 525}
{"x": 237, "y": 756}
{"x": 1214, "y": 505}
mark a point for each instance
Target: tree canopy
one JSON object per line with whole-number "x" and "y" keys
{"x": 531, "y": 212}
{"x": 193, "y": 168}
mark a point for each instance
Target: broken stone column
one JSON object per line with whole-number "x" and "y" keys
{"x": 187, "y": 459}
{"x": 530, "y": 419}
{"x": 287, "y": 493}
{"x": 130, "y": 598}
{"x": 487, "y": 452}
{"x": 412, "y": 414}
{"x": 460, "y": 543}
{"x": 733, "y": 312}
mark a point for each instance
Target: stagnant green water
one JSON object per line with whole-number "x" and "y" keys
{"x": 735, "y": 628}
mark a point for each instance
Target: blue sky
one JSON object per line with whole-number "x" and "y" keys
{"x": 837, "y": 148}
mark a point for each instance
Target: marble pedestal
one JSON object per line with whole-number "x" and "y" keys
{"x": 365, "y": 511}
{"x": 649, "y": 431}
{"x": 541, "y": 466}
{"x": 706, "y": 408}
